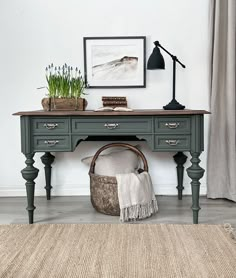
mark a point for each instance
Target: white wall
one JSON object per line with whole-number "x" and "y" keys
{"x": 36, "y": 33}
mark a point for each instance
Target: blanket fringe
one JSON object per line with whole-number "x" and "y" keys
{"x": 139, "y": 211}
{"x": 229, "y": 229}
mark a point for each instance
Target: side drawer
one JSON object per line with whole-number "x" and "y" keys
{"x": 51, "y": 143}
{"x": 111, "y": 125}
{"x": 50, "y": 125}
{"x": 172, "y": 142}
{"x": 172, "y": 125}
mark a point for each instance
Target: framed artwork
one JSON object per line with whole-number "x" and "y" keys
{"x": 115, "y": 62}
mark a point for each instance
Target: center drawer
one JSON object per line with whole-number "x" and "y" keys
{"x": 116, "y": 125}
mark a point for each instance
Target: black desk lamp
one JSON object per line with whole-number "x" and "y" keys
{"x": 156, "y": 61}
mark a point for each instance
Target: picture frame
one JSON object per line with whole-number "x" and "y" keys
{"x": 115, "y": 62}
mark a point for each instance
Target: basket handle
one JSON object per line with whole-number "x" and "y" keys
{"x": 128, "y": 146}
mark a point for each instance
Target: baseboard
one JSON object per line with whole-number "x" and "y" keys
{"x": 83, "y": 190}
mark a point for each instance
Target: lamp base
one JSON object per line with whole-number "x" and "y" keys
{"x": 174, "y": 105}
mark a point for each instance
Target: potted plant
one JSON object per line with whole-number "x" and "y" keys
{"x": 65, "y": 89}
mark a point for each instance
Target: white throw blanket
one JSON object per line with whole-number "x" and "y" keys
{"x": 136, "y": 196}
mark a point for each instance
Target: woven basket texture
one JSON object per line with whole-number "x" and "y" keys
{"x": 104, "y": 194}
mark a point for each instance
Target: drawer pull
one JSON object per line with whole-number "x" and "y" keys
{"x": 51, "y": 143}
{"x": 172, "y": 125}
{"x": 50, "y": 125}
{"x": 172, "y": 142}
{"x": 111, "y": 126}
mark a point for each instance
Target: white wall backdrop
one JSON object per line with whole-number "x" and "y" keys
{"x": 36, "y": 33}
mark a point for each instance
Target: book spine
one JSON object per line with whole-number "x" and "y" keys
{"x": 113, "y": 98}
{"x": 117, "y": 103}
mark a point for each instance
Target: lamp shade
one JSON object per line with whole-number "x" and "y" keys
{"x": 156, "y": 60}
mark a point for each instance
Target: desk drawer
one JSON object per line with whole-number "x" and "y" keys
{"x": 172, "y": 142}
{"x": 112, "y": 125}
{"x": 51, "y": 143}
{"x": 172, "y": 125}
{"x": 50, "y": 125}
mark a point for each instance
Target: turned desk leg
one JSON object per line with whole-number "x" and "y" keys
{"x": 47, "y": 160}
{"x": 30, "y": 173}
{"x": 195, "y": 172}
{"x": 180, "y": 159}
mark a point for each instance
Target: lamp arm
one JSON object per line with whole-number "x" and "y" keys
{"x": 172, "y": 56}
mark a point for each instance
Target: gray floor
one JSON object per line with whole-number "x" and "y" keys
{"x": 79, "y": 210}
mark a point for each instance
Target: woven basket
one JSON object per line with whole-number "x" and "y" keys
{"x": 103, "y": 189}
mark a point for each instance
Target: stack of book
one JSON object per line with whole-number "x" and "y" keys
{"x": 114, "y": 102}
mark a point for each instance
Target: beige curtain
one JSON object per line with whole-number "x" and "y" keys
{"x": 221, "y": 179}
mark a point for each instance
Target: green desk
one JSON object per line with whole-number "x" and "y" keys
{"x": 61, "y": 131}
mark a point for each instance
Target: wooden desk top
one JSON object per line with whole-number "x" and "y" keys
{"x": 138, "y": 112}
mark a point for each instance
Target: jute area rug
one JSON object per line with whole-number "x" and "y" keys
{"x": 116, "y": 250}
